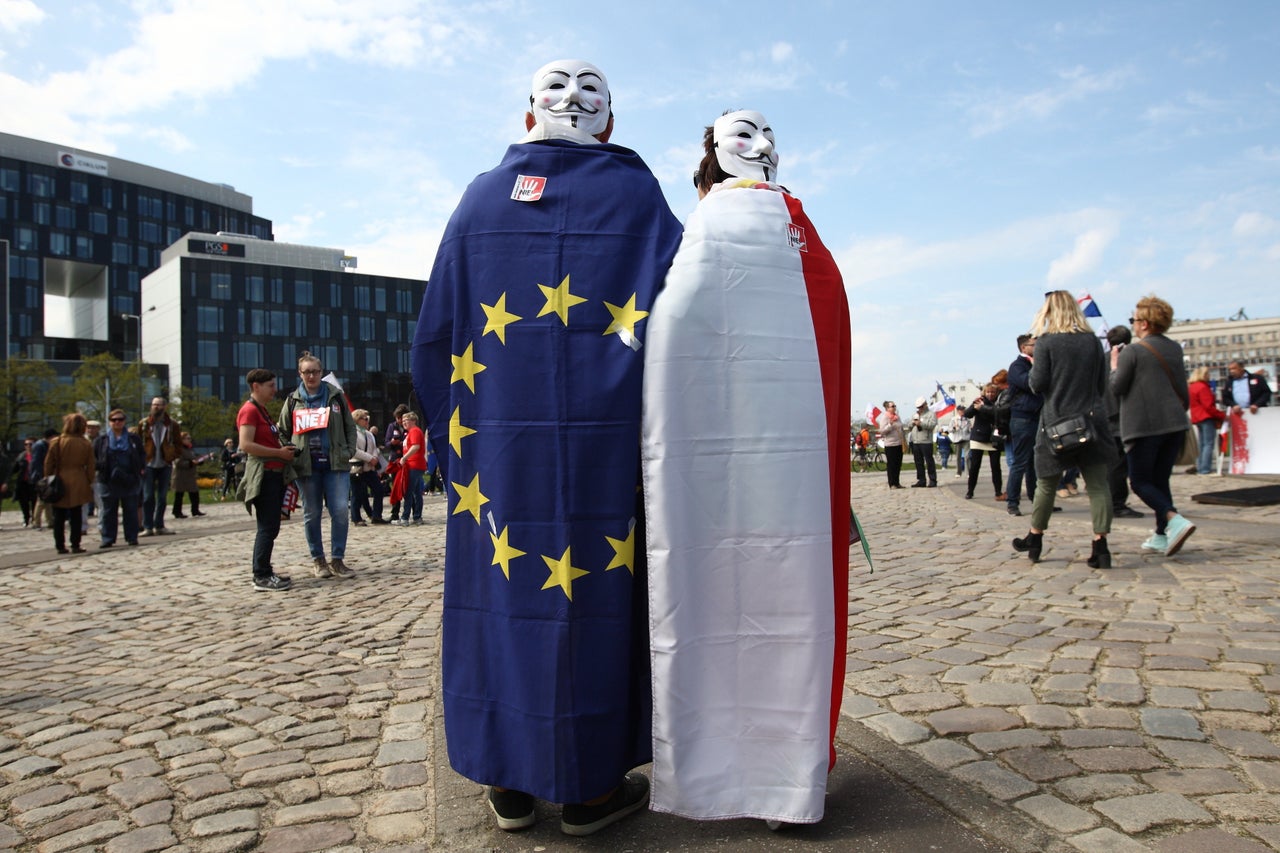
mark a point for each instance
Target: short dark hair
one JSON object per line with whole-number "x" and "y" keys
{"x": 400, "y": 410}
{"x": 1023, "y": 340}
{"x": 1118, "y": 335}
{"x": 709, "y": 171}
{"x": 258, "y": 375}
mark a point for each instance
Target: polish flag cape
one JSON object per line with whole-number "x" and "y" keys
{"x": 746, "y": 472}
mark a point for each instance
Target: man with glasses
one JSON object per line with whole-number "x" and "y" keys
{"x": 119, "y": 456}
{"x": 162, "y": 440}
{"x": 316, "y": 419}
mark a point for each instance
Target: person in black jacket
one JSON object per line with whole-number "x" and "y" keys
{"x": 1233, "y": 390}
{"x": 1024, "y": 420}
{"x": 120, "y": 458}
{"x": 983, "y": 438}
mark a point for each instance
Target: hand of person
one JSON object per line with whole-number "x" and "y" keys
{"x": 1253, "y": 410}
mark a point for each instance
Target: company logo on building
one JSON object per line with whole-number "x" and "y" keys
{"x": 215, "y": 247}
{"x": 68, "y": 160}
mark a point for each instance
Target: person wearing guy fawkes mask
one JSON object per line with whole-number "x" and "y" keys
{"x": 533, "y": 414}
{"x": 746, "y": 472}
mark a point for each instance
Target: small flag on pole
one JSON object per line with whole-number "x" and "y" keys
{"x": 1092, "y": 311}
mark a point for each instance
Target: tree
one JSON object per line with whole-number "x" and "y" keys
{"x": 103, "y": 382}
{"x": 208, "y": 419}
{"x": 31, "y": 399}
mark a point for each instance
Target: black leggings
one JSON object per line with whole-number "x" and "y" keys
{"x": 975, "y": 462}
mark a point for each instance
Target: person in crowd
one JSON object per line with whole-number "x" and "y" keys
{"x": 944, "y": 448}
{"x": 721, "y": 748}
{"x": 920, "y": 436}
{"x": 70, "y": 457}
{"x": 1069, "y": 483}
{"x": 892, "y": 437}
{"x": 229, "y": 459}
{"x": 120, "y": 459}
{"x": 415, "y": 462}
{"x": 268, "y": 469}
{"x": 393, "y": 443}
{"x": 315, "y": 418}
{"x": 1150, "y": 380}
{"x": 983, "y": 439}
{"x": 93, "y": 509}
{"x": 162, "y": 438}
{"x": 1118, "y": 475}
{"x": 959, "y": 431}
{"x": 1024, "y": 422}
{"x": 1244, "y": 390}
{"x": 1206, "y": 417}
{"x": 365, "y": 466}
{"x": 35, "y": 470}
{"x": 185, "y": 477}
{"x": 23, "y": 492}
{"x": 515, "y": 409}
{"x": 1070, "y": 374}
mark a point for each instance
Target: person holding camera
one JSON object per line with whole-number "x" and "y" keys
{"x": 268, "y": 469}
{"x": 923, "y": 422}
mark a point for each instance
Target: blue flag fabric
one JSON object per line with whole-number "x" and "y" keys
{"x": 527, "y": 361}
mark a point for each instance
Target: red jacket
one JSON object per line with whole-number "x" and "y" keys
{"x": 1202, "y": 405}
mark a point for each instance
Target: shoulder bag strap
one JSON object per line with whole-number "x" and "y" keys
{"x": 1167, "y": 370}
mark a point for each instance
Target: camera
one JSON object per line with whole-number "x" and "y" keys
{"x": 297, "y": 451}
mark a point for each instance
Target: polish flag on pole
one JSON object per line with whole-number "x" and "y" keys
{"x": 872, "y": 414}
{"x": 946, "y": 405}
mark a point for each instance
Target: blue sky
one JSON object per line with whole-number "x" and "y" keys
{"x": 959, "y": 159}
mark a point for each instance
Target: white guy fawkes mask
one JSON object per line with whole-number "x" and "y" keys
{"x": 744, "y": 146}
{"x": 571, "y": 92}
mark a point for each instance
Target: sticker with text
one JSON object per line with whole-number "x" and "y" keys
{"x": 528, "y": 188}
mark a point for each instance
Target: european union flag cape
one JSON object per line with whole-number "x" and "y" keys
{"x": 527, "y": 360}
{"x": 746, "y": 471}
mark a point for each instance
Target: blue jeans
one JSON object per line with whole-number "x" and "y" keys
{"x": 1022, "y": 442}
{"x": 115, "y": 509}
{"x": 1207, "y": 431}
{"x": 413, "y": 495}
{"x": 1151, "y": 461}
{"x": 155, "y": 497}
{"x": 334, "y": 489}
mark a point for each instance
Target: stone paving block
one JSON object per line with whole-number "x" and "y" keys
{"x": 403, "y": 776}
{"x": 192, "y": 759}
{"x": 1268, "y": 832}
{"x": 297, "y": 791}
{"x": 232, "y": 800}
{"x": 401, "y": 752}
{"x": 944, "y": 753}
{"x": 1038, "y": 765}
{"x": 160, "y": 811}
{"x": 1175, "y": 723}
{"x": 1107, "y": 718}
{"x": 240, "y": 820}
{"x": 268, "y": 759}
{"x": 1247, "y": 744}
{"x": 968, "y": 720}
{"x": 995, "y": 780}
{"x": 9, "y": 837}
{"x": 966, "y": 674}
{"x": 1114, "y": 759}
{"x": 1264, "y": 774}
{"x": 1188, "y": 754}
{"x": 179, "y": 746}
{"x": 141, "y": 767}
{"x": 318, "y": 810}
{"x": 73, "y": 821}
{"x": 55, "y": 733}
{"x": 897, "y": 728}
{"x": 1056, "y": 814}
{"x": 84, "y": 836}
{"x": 1195, "y": 782}
{"x": 94, "y": 780}
{"x": 1121, "y": 694}
{"x": 145, "y": 840}
{"x": 1001, "y": 695}
{"x": 1141, "y": 812}
{"x": 398, "y": 802}
{"x": 856, "y": 707}
{"x": 54, "y": 811}
{"x": 1046, "y": 716}
{"x": 347, "y": 783}
{"x": 923, "y": 702}
{"x": 1239, "y": 700}
{"x": 205, "y": 786}
{"x": 1245, "y": 807}
{"x": 235, "y": 842}
{"x": 306, "y": 838}
{"x": 1078, "y": 738}
{"x": 25, "y": 768}
{"x": 46, "y": 795}
{"x": 136, "y": 792}
{"x": 1175, "y": 697}
{"x": 1100, "y": 786}
{"x": 397, "y": 827}
{"x": 1104, "y": 840}
{"x": 216, "y": 708}
{"x": 1201, "y": 840}
{"x": 991, "y": 742}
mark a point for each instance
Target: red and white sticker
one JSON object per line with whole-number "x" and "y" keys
{"x": 796, "y": 238}
{"x": 306, "y": 420}
{"x": 528, "y": 188}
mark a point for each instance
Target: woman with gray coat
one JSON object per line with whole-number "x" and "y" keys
{"x": 1070, "y": 371}
{"x": 1150, "y": 380}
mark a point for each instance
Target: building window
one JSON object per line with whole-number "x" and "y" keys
{"x": 335, "y": 295}
{"x": 367, "y": 332}
{"x": 348, "y": 359}
{"x": 40, "y": 213}
{"x": 59, "y": 243}
{"x": 106, "y": 197}
{"x": 122, "y": 226}
{"x": 279, "y": 322}
{"x": 393, "y": 331}
{"x": 220, "y": 285}
{"x": 207, "y": 352}
{"x": 80, "y": 192}
{"x": 149, "y": 231}
{"x": 324, "y": 326}
{"x": 172, "y": 235}
{"x": 372, "y": 360}
{"x": 362, "y": 298}
{"x": 248, "y": 352}
{"x": 24, "y": 239}
{"x": 9, "y": 180}
{"x": 253, "y": 289}
{"x": 97, "y": 222}
{"x": 40, "y": 186}
{"x": 302, "y": 292}
{"x": 379, "y": 299}
{"x": 66, "y": 216}
{"x": 257, "y": 321}
{"x": 300, "y": 325}
{"x": 84, "y": 246}
{"x": 209, "y": 319}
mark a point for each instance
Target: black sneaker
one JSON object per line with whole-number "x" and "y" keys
{"x": 1126, "y": 512}
{"x": 631, "y": 796}
{"x": 513, "y": 809}
{"x": 272, "y": 583}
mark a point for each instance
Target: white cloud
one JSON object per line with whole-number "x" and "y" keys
{"x": 15, "y": 15}
{"x": 781, "y": 51}
{"x": 1254, "y": 225}
{"x": 1083, "y": 257}
{"x": 1000, "y": 110}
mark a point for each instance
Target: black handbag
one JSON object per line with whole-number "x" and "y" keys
{"x": 50, "y": 489}
{"x": 1070, "y": 434}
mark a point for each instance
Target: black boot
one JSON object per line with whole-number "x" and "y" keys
{"x": 1101, "y": 557}
{"x": 1031, "y": 545}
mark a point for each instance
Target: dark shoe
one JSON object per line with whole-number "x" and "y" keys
{"x": 1057, "y": 509}
{"x": 105, "y": 544}
{"x": 134, "y": 543}
{"x": 271, "y": 583}
{"x": 1126, "y": 512}
{"x": 631, "y": 796}
{"x": 177, "y": 514}
{"x": 320, "y": 568}
{"x": 513, "y": 809}
{"x": 340, "y": 568}
{"x": 63, "y": 551}
{"x": 1030, "y": 545}
{"x": 76, "y": 549}
{"x": 163, "y": 531}
{"x": 1000, "y": 496}
{"x": 1101, "y": 557}
{"x": 196, "y": 512}
{"x": 1013, "y": 510}
{"x": 968, "y": 496}
{"x": 358, "y": 522}
{"x": 933, "y": 485}
{"x": 919, "y": 485}
{"x": 378, "y": 521}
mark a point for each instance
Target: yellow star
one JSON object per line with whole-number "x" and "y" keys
{"x": 465, "y": 367}
{"x": 503, "y": 553}
{"x": 563, "y": 573}
{"x": 625, "y": 318}
{"x": 499, "y": 319}
{"x": 559, "y": 300}
{"x": 624, "y": 551}
{"x": 469, "y": 498}
{"x": 457, "y": 431}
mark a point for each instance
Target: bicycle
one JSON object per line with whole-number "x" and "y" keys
{"x": 868, "y": 459}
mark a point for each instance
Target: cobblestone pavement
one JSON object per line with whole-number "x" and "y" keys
{"x": 151, "y": 700}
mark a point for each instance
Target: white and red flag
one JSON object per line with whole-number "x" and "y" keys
{"x": 745, "y": 446}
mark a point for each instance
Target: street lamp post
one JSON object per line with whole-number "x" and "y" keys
{"x": 138, "y": 317}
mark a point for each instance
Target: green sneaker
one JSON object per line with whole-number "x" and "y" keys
{"x": 1157, "y": 542}
{"x": 1177, "y": 531}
